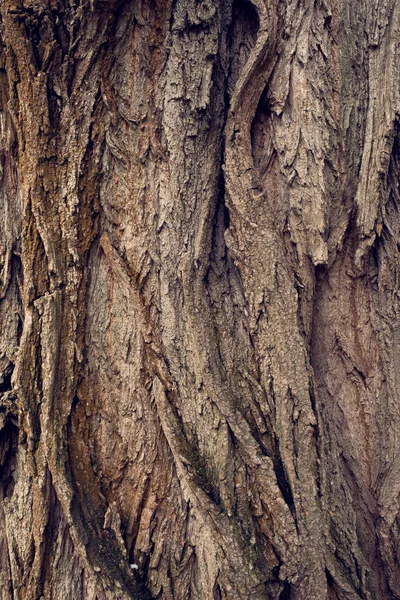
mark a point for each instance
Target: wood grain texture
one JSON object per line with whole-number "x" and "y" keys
{"x": 199, "y": 305}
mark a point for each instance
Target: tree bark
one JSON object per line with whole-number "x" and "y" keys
{"x": 199, "y": 303}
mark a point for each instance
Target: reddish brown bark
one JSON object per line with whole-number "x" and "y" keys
{"x": 199, "y": 304}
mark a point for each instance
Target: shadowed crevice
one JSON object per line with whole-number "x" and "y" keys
{"x": 8, "y": 458}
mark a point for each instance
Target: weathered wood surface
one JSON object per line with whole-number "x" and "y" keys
{"x": 199, "y": 299}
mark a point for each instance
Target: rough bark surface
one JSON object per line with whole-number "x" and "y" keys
{"x": 199, "y": 299}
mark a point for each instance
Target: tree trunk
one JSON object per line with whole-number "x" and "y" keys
{"x": 200, "y": 306}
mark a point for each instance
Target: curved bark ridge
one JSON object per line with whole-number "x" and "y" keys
{"x": 199, "y": 300}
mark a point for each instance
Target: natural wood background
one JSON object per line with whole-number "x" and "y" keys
{"x": 199, "y": 313}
